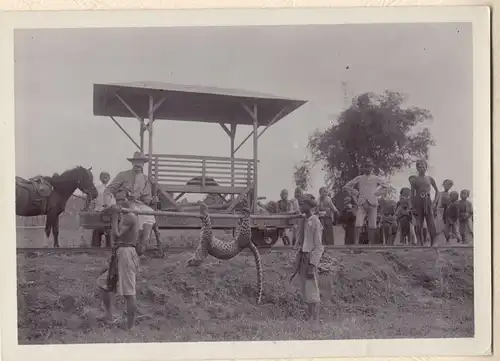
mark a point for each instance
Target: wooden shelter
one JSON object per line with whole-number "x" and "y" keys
{"x": 176, "y": 175}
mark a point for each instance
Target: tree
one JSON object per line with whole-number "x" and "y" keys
{"x": 302, "y": 174}
{"x": 377, "y": 127}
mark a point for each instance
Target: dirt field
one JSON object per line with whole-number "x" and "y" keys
{"x": 404, "y": 293}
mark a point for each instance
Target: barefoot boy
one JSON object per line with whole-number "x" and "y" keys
{"x": 452, "y": 214}
{"x": 422, "y": 204}
{"x": 120, "y": 277}
{"x": 465, "y": 215}
{"x": 310, "y": 250}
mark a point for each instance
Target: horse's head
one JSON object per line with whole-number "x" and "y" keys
{"x": 86, "y": 182}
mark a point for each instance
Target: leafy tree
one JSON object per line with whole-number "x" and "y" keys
{"x": 302, "y": 174}
{"x": 377, "y": 127}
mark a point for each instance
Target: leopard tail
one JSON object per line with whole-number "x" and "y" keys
{"x": 258, "y": 265}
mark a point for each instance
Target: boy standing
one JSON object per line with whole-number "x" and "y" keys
{"x": 451, "y": 219}
{"x": 348, "y": 220}
{"x": 443, "y": 199}
{"x": 369, "y": 186}
{"x": 120, "y": 276}
{"x": 389, "y": 222}
{"x": 310, "y": 250}
{"x": 465, "y": 215}
{"x": 422, "y": 204}
{"x": 405, "y": 218}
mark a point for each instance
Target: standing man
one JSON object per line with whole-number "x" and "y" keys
{"x": 422, "y": 204}
{"x": 310, "y": 250}
{"x": 120, "y": 276}
{"x": 134, "y": 185}
{"x": 370, "y": 187}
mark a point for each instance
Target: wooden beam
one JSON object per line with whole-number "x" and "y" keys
{"x": 213, "y": 215}
{"x": 273, "y": 121}
{"x": 225, "y": 129}
{"x": 244, "y": 141}
{"x": 141, "y": 133}
{"x": 152, "y": 109}
{"x": 150, "y": 140}
{"x": 179, "y": 196}
{"x": 198, "y": 189}
{"x": 235, "y": 201}
{"x": 168, "y": 196}
{"x": 255, "y": 156}
{"x": 124, "y": 131}
{"x": 232, "y": 135}
{"x": 129, "y": 108}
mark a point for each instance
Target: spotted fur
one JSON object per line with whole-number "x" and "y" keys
{"x": 224, "y": 250}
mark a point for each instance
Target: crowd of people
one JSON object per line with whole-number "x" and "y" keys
{"x": 367, "y": 216}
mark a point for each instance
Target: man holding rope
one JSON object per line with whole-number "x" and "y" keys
{"x": 133, "y": 185}
{"x": 120, "y": 275}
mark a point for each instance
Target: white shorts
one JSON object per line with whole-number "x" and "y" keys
{"x": 128, "y": 265}
{"x": 142, "y": 218}
{"x": 366, "y": 210}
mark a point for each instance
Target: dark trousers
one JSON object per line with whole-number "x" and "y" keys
{"x": 327, "y": 230}
{"x": 349, "y": 232}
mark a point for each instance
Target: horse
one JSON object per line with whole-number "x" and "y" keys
{"x": 48, "y": 196}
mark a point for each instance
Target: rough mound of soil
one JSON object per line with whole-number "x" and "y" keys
{"x": 364, "y": 295}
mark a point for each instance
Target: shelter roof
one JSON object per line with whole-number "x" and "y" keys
{"x": 191, "y": 103}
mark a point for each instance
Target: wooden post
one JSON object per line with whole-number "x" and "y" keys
{"x": 255, "y": 156}
{"x": 232, "y": 136}
{"x": 141, "y": 133}
{"x": 150, "y": 141}
{"x": 203, "y": 173}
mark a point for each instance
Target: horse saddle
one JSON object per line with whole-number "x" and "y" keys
{"x": 37, "y": 186}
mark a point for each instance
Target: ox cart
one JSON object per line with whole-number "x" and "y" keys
{"x": 223, "y": 179}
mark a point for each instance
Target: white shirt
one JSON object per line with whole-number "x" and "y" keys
{"x": 310, "y": 238}
{"x": 102, "y": 198}
{"x": 369, "y": 187}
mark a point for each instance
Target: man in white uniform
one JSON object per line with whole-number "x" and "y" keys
{"x": 135, "y": 186}
{"x": 370, "y": 187}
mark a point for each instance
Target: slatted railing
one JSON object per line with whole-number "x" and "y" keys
{"x": 204, "y": 174}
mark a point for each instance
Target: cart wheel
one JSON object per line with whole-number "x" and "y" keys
{"x": 264, "y": 238}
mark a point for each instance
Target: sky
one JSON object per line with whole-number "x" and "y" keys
{"x": 55, "y": 70}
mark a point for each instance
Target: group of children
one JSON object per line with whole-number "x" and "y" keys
{"x": 416, "y": 217}
{"x": 367, "y": 217}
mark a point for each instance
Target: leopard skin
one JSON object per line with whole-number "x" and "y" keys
{"x": 224, "y": 250}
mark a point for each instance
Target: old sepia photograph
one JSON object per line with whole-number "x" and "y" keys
{"x": 254, "y": 182}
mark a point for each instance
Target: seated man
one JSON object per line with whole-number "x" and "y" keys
{"x": 133, "y": 185}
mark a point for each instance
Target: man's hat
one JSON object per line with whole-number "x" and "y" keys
{"x": 138, "y": 157}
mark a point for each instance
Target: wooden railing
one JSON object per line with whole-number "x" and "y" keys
{"x": 189, "y": 173}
